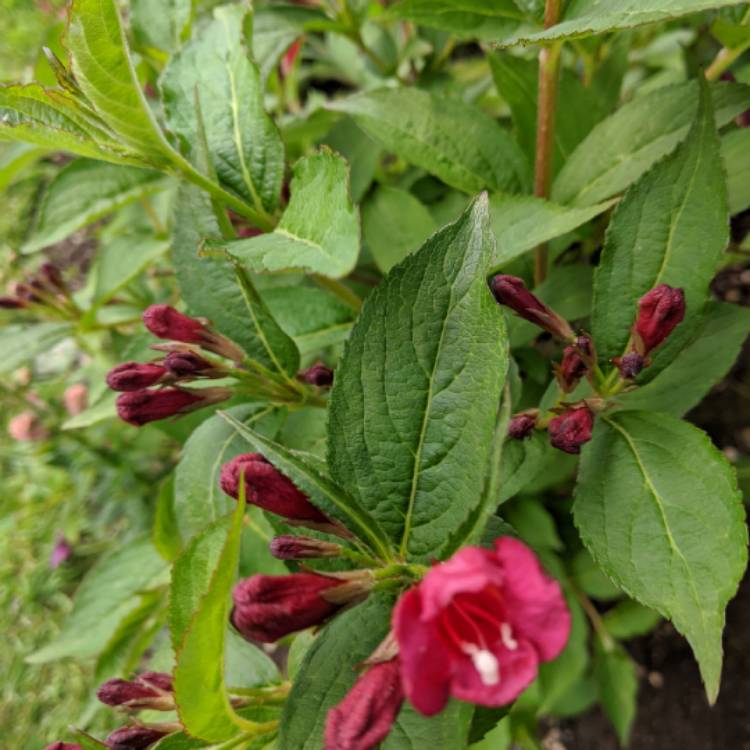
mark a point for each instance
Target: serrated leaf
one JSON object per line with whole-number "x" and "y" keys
{"x": 587, "y": 17}
{"x": 735, "y": 152}
{"x": 454, "y": 140}
{"x": 626, "y": 144}
{"x": 319, "y": 231}
{"x": 614, "y": 672}
{"x": 202, "y": 578}
{"x": 670, "y": 228}
{"x": 244, "y": 145}
{"x": 83, "y": 192}
{"x": 413, "y": 405}
{"x": 658, "y": 507}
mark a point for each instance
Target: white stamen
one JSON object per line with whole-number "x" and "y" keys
{"x": 506, "y": 634}
{"x": 485, "y": 663}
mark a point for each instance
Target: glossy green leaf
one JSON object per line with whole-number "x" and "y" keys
{"x": 244, "y": 145}
{"x": 735, "y": 151}
{"x": 83, "y": 192}
{"x": 161, "y": 24}
{"x": 21, "y": 343}
{"x": 416, "y": 393}
{"x": 625, "y": 145}
{"x": 657, "y": 505}
{"x": 319, "y": 231}
{"x": 454, "y": 140}
{"x": 670, "y": 228}
{"x": 614, "y": 672}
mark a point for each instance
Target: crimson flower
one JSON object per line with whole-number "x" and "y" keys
{"x": 477, "y": 626}
{"x": 571, "y": 429}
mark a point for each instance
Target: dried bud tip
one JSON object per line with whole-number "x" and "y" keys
{"x": 318, "y": 375}
{"x": 290, "y": 547}
{"x": 571, "y": 429}
{"x": 522, "y": 425}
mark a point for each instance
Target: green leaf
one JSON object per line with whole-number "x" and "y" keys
{"x": 394, "y": 222}
{"x": 670, "y": 228}
{"x": 319, "y": 231}
{"x": 303, "y": 469}
{"x": 165, "y": 533}
{"x": 629, "y": 619}
{"x": 587, "y": 17}
{"x": 103, "y": 408}
{"x": 211, "y": 287}
{"x": 15, "y": 158}
{"x": 521, "y": 222}
{"x": 21, "y": 343}
{"x": 614, "y": 672}
{"x": 658, "y": 507}
{"x": 534, "y": 523}
{"x": 244, "y": 145}
{"x": 110, "y": 592}
{"x": 735, "y": 151}
{"x": 246, "y": 665}
{"x": 589, "y": 578}
{"x": 360, "y": 151}
{"x": 198, "y": 499}
{"x": 83, "y": 192}
{"x": 199, "y": 609}
{"x": 454, "y": 140}
{"x": 161, "y": 24}
{"x": 522, "y": 460}
{"x": 622, "y": 147}
{"x": 413, "y": 405}
{"x": 700, "y": 365}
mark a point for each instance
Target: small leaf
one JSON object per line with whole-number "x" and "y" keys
{"x": 657, "y": 506}
{"x": 455, "y": 141}
{"x": 614, "y": 672}
{"x": 319, "y": 231}
{"x": 629, "y": 619}
{"x": 165, "y": 532}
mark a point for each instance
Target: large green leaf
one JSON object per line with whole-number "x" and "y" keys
{"x": 622, "y": 147}
{"x": 454, "y": 140}
{"x": 211, "y": 287}
{"x": 319, "y": 231}
{"x": 735, "y": 151}
{"x": 416, "y": 393}
{"x": 658, "y": 507}
{"x": 83, "y": 192}
{"x": 212, "y": 74}
{"x": 670, "y": 228}
{"x": 108, "y": 595}
{"x": 161, "y": 24}
{"x": 586, "y": 17}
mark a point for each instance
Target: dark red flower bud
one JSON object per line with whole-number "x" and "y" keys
{"x": 574, "y": 363}
{"x": 363, "y": 719}
{"x": 151, "y": 690}
{"x": 660, "y": 311}
{"x": 26, "y": 293}
{"x": 11, "y": 303}
{"x": 319, "y": 375}
{"x": 59, "y": 745}
{"x": 134, "y": 738}
{"x": 571, "y": 429}
{"x": 134, "y": 376}
{"x": 290, "y": 547}
{"x": 522, "y": 425}
{"x": 630, "y": 364}
{"x": 268, "y": 488}
{"x": 189, "y": 364}
{"x": 50, "y": 275}
{"x": 160, "y": 680}
{"x": 140, "y": 407}
{"x": 512, "y": 292}
{"x": 267, "y": 608}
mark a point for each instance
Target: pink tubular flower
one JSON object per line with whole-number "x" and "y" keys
{"x": 366, "y": 715}
{"x": 151, "y": 690}
{"x": 140, "y": 407}
{"x": 477, "y": 627}
{"x": 267, "y": 608}
{"x": 660, "y": 311}
{"x": 134, "y": 376}
{"x": 134, "y": 738}
{"x": 512, "y": 292}
{"x": 289, "y": 547}
{"x": 571, "y": 429}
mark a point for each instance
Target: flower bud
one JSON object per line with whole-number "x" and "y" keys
{"x": 61, "y": 553}
{"x": 575, "y": 363}
{"x": 49, "y": 274}
{"x": 630, "y": 365}
{"x": 660, "y": 311}
{"x": 512, "y": 292}
{"x": 59, "y": 745}
{"x": 134, "y": 376}
{"x": 522, "y": 424}
{"x": 569, "y": 430}
{"x": 363, "y": 719}
{"x": 27, "y": 427}
{"x": 289, "y": 547}
{"x": 134, "y": 738}
{"x": 75, "y": 398}
{"x": 267, "y": 608}
{"x": 187, "y": 364}
{"x": 268, "y": 488}
{"x": 11, "y": 303}
{"x": 140, "y": 407}
{"x": 151, "y": 690}
{"x": 318, "y": 375}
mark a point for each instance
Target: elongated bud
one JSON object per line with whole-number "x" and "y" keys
{"x": 363, "y": 719}
{"x": 134, "y": 738}
{"x": 134, "y": 376}
{"x": 59, "y": 745}
{"x": 140, "y": 407}
{"x": 660, "y": 311}
{"x": 189, "y": 364}
{"x": 11, "y": 303}
{"x": 512, "y": 292}
{"x": 318, "y": 375}
{"x": 151, "y": 690}
{"x": 27, "y": 427}
{"x": 522, "y": 424}
{"x": 630, "y": 364}
{"x": 571, "y": 429}
{"x": 51, "y": 276}
{"x": 290, "y": 547}
{"x": 167, "y": 323}
{"x": 267, "y": 608}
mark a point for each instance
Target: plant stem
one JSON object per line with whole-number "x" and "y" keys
{"x": 346, "y": 295}
{"x": 726, "y": 55}
{"x": 549, "y": 75}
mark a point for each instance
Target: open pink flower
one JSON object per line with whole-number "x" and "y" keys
{"x": 477, "y": 627}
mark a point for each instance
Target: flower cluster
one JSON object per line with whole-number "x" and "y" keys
{"x": 660, "y": 311}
